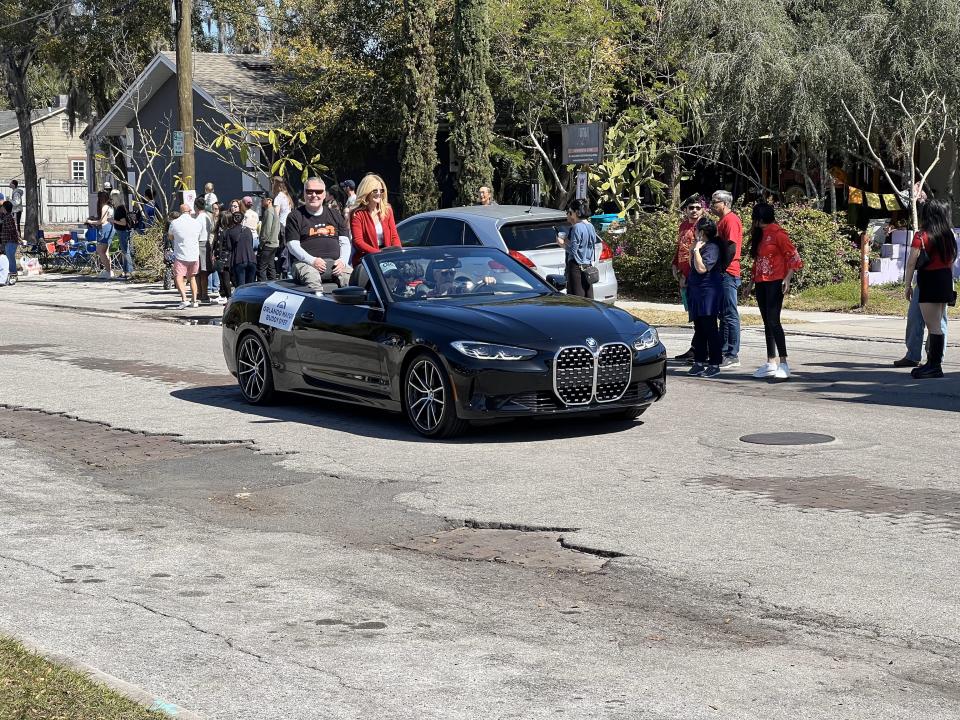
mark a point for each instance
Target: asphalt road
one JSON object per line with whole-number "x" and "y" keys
{"x": 306, "y": 561}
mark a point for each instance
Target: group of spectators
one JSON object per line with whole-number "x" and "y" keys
{"x": 707, "y": 266}
{"x": 317, "y": 242}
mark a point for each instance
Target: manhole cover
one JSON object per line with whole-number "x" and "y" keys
{"x": 787, "y": 438}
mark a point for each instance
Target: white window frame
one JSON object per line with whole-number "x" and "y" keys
{"x": 74, "y": 165}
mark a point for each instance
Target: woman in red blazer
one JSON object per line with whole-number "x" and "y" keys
{"x": 371, "y": 221}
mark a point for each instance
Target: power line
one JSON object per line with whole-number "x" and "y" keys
{"x": 38, "y": 16}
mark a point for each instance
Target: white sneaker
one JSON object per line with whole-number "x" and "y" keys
{"x": 195, "y": 304}
{"x": 783, "y": 372}
{"x": 183, "y": 305}
{"x": 767, "y": 370}
{"x": 221, "y": 301}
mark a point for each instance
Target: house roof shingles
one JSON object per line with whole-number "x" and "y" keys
{"x": 8, "y": 118}
{"x": 246, "y": 86}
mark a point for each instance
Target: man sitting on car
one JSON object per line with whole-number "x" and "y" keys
{"x": 317, "y": 240}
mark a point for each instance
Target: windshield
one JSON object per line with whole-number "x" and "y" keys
{"x": 428, "y": 273}
{"x": 542, "y": 235}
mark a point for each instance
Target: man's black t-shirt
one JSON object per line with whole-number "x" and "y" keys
{"x": 319, "y": 234}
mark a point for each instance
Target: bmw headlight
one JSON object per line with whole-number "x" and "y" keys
{"x": 646, "y": 341}
{"x": 489, "y": 351}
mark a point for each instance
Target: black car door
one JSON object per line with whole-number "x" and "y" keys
{"x": 341, "y": 350}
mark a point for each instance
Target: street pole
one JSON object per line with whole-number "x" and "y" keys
{"x": 185, "y": 93}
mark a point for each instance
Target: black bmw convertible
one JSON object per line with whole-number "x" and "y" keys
{"x": 446, "y": 335}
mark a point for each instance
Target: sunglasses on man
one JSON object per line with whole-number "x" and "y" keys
{"x": 314, "y": 191}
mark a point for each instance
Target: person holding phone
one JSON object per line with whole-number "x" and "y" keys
{"x": 580, "y": 246}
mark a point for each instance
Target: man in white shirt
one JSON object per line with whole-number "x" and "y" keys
{"x": 4, "y": 270}
{"x": 185, "y": 232}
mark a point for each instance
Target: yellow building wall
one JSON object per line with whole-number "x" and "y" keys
{"x": 54, "y": 146}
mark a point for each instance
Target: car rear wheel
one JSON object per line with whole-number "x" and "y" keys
{"x": 254, "y": 373}
{"x": 428, "y": 399}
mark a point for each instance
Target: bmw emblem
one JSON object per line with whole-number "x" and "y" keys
{"x": 592, "y": 344}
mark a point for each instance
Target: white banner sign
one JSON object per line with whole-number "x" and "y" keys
{"x": 581, "y": 185}
{"x": 189, "y": 197}
{"x": 279, "y": 310}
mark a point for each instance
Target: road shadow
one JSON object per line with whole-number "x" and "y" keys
{"x": 880, "y": 384}
{"x": 867, "y": 383}
{"x": 372, "y": 423}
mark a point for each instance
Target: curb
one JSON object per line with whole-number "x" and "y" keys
{"x": 131, "y": 692}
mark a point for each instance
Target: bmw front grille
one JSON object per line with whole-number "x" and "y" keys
{"x": 580, "y": 376}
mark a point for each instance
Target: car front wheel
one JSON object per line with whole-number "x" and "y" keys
{"x": 428, "y": 399}
{"x": 254, "y": 373}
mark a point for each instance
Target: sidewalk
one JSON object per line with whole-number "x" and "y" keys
{"x": 111, "y": 298}
{"x": 830, "y": 324}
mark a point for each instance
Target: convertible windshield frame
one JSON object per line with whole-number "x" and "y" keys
{"x": 453, "y": 255}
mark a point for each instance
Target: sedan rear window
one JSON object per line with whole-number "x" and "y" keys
{"x": 533, "y": 236}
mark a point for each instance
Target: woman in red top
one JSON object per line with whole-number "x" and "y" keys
{"x": 371, "y": 222}
{"x": 775, "y": 259}
{"x": 934, "y": 280}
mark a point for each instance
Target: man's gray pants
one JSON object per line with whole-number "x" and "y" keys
{"x": 308, "y": 275}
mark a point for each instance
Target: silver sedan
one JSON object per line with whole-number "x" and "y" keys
{"x": 528, "y": 234}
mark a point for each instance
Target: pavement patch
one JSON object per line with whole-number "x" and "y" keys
{"x": 169, "y": 374}
{"x": 537, "y": 549}
{"x": 91, "y": 443}
{"x": 928, "y": 510}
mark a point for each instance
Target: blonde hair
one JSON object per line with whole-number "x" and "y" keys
{"x": 208, "y": 188}
{"x": 370, "y": 183}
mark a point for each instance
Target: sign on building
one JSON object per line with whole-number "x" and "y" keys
{"x": 582, "y": 144}
{"x": 178, "y": 143}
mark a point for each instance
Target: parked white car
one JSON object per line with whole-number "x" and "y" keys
{"x": 528, "y": 234}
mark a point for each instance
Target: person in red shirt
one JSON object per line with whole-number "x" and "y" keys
{"x": 934, "y": 280}
{"x": 775, "y": 260}
{"x": 371, "y": 222}
{"x": 729, "y": 229}
{"x": 692, "y": 209}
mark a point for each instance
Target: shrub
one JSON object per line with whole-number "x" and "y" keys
{"x": 643, "y": 254}
{"x": 148, "y": 252}
{"x": 827, "y": 247}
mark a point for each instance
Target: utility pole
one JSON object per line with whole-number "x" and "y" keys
{"x": 188, "y": 171}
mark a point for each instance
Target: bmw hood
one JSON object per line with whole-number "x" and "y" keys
{"x": 539, "y": 320}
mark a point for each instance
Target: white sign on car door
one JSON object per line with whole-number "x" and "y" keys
{"x": 280, "y": 309}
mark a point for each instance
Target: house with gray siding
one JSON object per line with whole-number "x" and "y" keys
{"x": 131, "y": 147}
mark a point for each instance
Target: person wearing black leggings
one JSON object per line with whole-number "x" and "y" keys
{"x": 705, "y": 300}
{"x": 775, "y": 260}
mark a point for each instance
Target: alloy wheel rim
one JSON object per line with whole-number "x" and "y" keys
{"x": 426, "y": 397}
{"x": 251, "y": 368}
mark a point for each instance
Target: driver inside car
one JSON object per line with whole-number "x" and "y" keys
{"x": 444, "y": 278}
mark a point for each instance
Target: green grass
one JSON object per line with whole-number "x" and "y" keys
{"x": 33, "y": 688}
{"x": 845, "y": 297}
{"x": 672, "y": 318}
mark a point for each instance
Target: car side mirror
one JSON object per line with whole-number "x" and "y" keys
{"x": 350, "y": 296}
{"x": 557, "y": 282}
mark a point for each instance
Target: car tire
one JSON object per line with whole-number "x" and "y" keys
{"x": 254, "y": 371}
{"x": 428, "y": 399}
{"x": 629, "y": 413}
